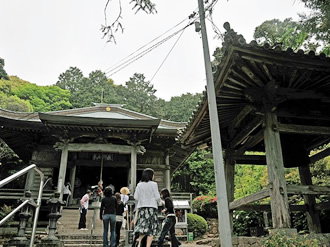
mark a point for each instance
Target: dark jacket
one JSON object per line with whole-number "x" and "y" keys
{"x": 108, "y": 206}
{"x": 169, "y": 209}
{"x": 120, "y": 208}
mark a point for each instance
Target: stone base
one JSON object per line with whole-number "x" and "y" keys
{"x": 50, "y": 243}
{"x": 18, "y": 243}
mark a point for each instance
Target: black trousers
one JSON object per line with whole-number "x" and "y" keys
{"x": 118, "y": 226}
{"x": 82, "y": 221}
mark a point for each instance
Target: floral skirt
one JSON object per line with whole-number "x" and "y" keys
{"x": 147, "y": 222}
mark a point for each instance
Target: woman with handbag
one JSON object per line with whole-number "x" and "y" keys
{"x": 147, "y": 199}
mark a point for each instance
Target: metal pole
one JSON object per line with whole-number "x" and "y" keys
{"x": 16, "y": 175}
{"x": 219, "y": 170}
{"x": 36, "y": 213}
{"x": 13, "y": 212}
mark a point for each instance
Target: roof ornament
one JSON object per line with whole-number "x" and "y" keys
{"x": 231, "y": 37}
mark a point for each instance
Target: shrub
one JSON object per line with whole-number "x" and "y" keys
{"x": 196, "y": 224}
{"x": 205, "y": 206}
{"x": 280, "y": 239}
{"x": 242, "y": 221}
{"x": 5, "y": 210}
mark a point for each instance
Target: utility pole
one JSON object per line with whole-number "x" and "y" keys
{"x": 219, "y": 169}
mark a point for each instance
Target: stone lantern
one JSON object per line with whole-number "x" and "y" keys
{"x": 55, "y": 205}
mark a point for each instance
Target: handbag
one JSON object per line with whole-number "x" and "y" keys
{"x": 119, "y": 218}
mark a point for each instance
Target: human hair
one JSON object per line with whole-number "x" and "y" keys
{"x": 147, "y": 175}
{"x": 107, "y": 192}
{"x": 165, "y": 193}
{"x": 88, "y": 191}
{"x": 118, "y": 197}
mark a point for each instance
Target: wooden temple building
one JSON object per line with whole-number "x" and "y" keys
{"x": 272, "y": 101}
{"x": 83, "y": 146}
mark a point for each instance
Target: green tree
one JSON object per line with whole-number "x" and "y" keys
{"x": 14, "y": 103}
{"x": 288, "y": 33}
{"x": 198, "y": 173}
{"x": 317, "y": 22}
{"x": 180, "y": 108}
{"x": 44, "y": 98}
{"x": 3, "y": 73}
{"x": 71, "y": 79}
{"x": 138, "y": 94}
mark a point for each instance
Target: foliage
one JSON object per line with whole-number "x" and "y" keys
{"x": 44, "y": 98}
{"x": 5, "y": 210}
{"x": 196, "y": 224}
{"x": 3, "y": 73}
{"x": 109, "y": 30}
{"x": 281, "y": 239}
{"x": 243, "y": 220}
{"x": 197, "y": 174}
{"x": 139, "y": 95}
{"x": 205, "y": 206}
{"x": 14, "y": 103}
{"x": 317, "y": 22}
{"x": 248, "y": 179}
{"x": 180, "y": 108}
{"x": 288, "y": 33}
{"x": 5, "y": 151}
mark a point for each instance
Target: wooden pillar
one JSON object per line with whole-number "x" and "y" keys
{"x": 29, "y": 182}
{"x": 313, "y": 217}
{"x": 230, "y": 185}
{"x": 167, "y": 173}
{"x": 72, "y": 181}
{"x": 133, "y": 168}
{"x": 275, "y": 166}
{"x": 62, "y": 172}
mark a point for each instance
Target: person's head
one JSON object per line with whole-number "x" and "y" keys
{"x": 147, "y": 175}
{"x": 108, "y": 192}
{"x": 118, "y": 196}
{"x": 89, "y": 192}
{"x": 164, "y": 193}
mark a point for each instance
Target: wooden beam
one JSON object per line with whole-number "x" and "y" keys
{"x": 264, "y": 207}
{"x": 308, "y": 190}
{"x": 246, "y": 131}
{"x": 251, "y": 142}
{"x": 95, "y": 147}
{"x": 320, "y": 155}
{"x": 241, "y": 116}
{"x": 262, "y": 194}
{"x": 303, "y": 129}
{"x": 249, "y": 159}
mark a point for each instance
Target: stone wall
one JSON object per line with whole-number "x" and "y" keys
{"x": 211, "y": 238}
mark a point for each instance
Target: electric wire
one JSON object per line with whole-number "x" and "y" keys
{"x": 167, "y": 55}
{"x": 144, "y": 52}
{"x": 116, "y": 64}
{"x": 123, "y": 63}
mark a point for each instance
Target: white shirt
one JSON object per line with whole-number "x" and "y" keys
{"x": 147, "y": 195}
{"x": 124, "y": 199}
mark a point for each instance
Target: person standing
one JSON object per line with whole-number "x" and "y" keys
{"x": 147, "y": 199}
{"x": 66, "y": 193}
{"x": 169, "y": 225}
{"x": 119, "y": 217}
{"x": 83, "y": 210}
{"x": 108, "y": 215}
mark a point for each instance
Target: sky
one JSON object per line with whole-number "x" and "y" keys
{"x": 41, "y": 39}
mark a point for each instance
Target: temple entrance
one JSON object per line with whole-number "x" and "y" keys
{"x": 87, "y": 176}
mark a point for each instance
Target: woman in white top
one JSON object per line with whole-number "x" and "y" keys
{"x": 147, "y": 199}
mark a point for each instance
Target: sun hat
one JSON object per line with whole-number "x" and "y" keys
{"x": 124, "y": 190}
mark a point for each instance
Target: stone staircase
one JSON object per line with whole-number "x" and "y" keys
{"x": 72, "y": 237}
